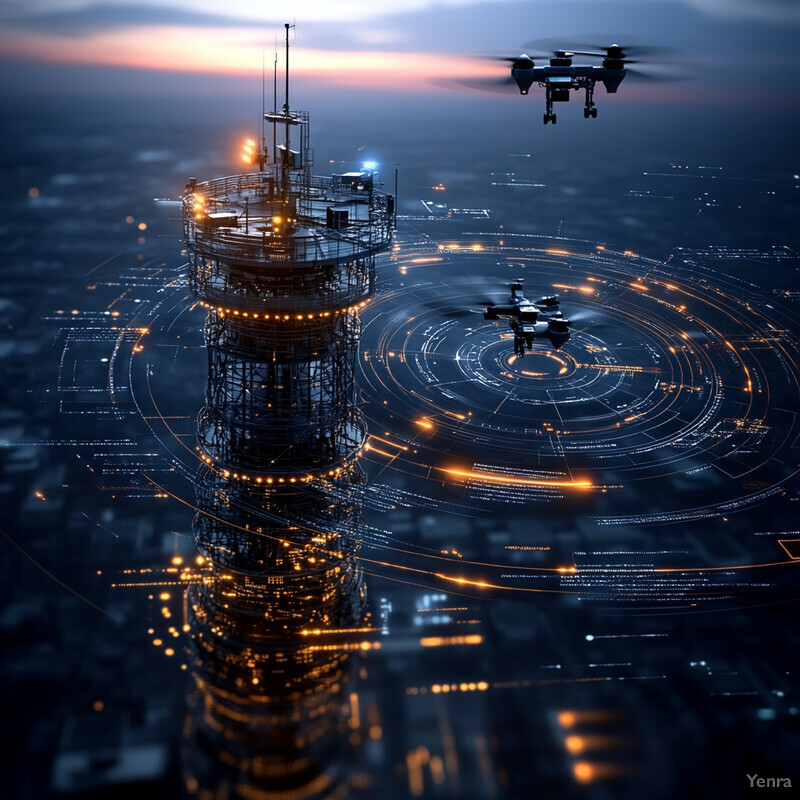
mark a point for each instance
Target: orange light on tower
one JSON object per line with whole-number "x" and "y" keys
{"x": 575, "y": 744}
{"x": 199, "y": 205}
{"x": 583, "y": 772}
{"x": 249, "y": 154}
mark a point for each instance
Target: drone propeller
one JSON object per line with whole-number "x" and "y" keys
{"x": 489, "y": 301}
{"x": 492, "y": 84}
{"x": 612, "y": 51}
{"x": 522, "y": 61}
{"x": 591, "y": 320}
{"x": 627, "y": 52}
{"x": 472, "y": 304}
{"x": 622, "y": 59}
{"x": 461, "y": 313}
{"x": 582, "y": 314}
{"x": 639, "y": 76}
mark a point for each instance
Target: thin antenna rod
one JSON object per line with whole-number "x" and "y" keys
{"x": 275, "y": 81}
{"x": 263, "y": 100}
{"x": 286, "y": 104}
{"x": 275, "y": 105}
{"x": 395, "y": 195}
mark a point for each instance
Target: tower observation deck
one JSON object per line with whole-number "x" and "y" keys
{"x": 283, "y": 260}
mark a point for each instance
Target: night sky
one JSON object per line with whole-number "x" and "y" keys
{"x": 650, "y": 685}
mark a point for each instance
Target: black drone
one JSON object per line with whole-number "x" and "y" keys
{"x": 531, "y": 320}
{"x": 559, "y": 75}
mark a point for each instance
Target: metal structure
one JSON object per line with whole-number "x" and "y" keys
{"x": 283, "y": 261}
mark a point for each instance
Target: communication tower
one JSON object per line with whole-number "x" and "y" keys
{"x": 283, "y": 260}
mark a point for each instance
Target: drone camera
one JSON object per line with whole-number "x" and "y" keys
{"x": 523, "y": 81}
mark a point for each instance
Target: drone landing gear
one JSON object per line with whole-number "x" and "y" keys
{"x": 549, "y": 115}
{"x": 521, "y": 343}
{"x": 589, "y": 110}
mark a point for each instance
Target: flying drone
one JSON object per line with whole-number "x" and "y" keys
{"x": 531, "y": 320}
{"x": 560, "y": 75}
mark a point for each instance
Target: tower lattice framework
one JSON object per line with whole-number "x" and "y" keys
{"x": 283, "y": 261}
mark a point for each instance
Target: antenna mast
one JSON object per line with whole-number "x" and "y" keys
{"x": 286, "y": 104}
{"x": 263, "y": 103}
{"x": 275, "y": 104}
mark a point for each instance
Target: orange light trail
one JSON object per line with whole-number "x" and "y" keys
{"x": 584, "y": 289}
{"x": 464, "y": 581}
{"x": 373, "y": 449}
{"x": 386, "y": 441}
{"x": 56, "y": 579}
{"x": 439, "y": 641}
{"x": 491, "y": 478}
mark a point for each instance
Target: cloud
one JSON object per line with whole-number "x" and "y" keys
{"x": 83, "y": 20}
{"x": 69, "y": 16}
{"x": 762, "y": 10}
{"x": 409, "y": 51}
{"x": 412, "y": 25}
{"x": 233, "y": 51}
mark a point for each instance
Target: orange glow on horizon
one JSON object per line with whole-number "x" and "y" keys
{"x": 236, "y": 51}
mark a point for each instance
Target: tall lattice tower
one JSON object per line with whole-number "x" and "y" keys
{"x": 283, "y": 261}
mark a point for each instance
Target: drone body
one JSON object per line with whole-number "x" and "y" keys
{"x": 560, "y": 75}
{"x": 531, "y": 320}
